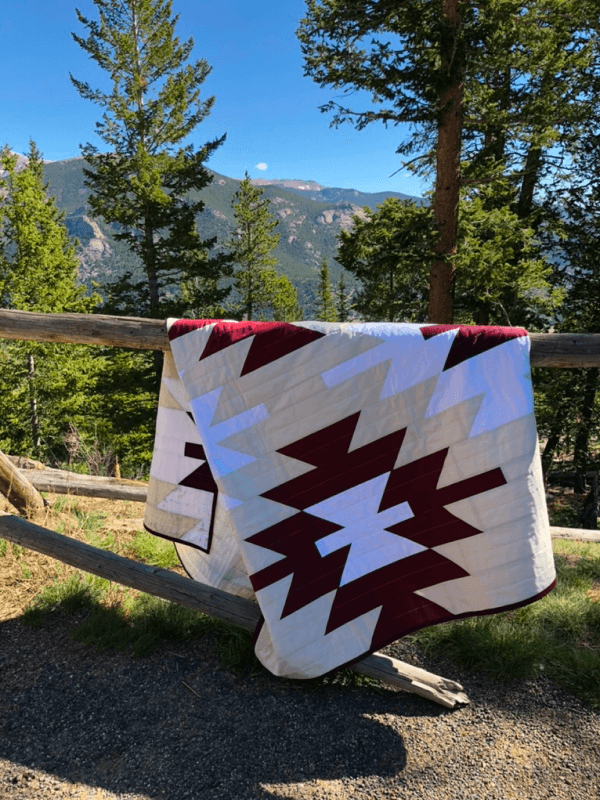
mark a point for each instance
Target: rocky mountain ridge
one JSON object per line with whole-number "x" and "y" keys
{"x": 310, "y": 219}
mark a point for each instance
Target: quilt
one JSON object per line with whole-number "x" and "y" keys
{"x": 359, "y": 480}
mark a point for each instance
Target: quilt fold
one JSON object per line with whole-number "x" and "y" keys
{"x": 359, "y": 480}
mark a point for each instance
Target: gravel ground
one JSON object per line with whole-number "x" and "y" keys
{"x": 175, "y": 725}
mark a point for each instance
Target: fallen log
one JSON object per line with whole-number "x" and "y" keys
{"x": 60, "y": 481}
{"x": 576, "y": 534}
{"x": 208, "y": 600}
{"x": 547, "y": 349}
{"x": 18, "y": 490}
{"x": 63, "y": 482}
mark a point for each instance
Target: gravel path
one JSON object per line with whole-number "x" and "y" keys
{"x": 176, "y": 725}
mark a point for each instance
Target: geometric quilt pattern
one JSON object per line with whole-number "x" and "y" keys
{"x": 360, "y": 480}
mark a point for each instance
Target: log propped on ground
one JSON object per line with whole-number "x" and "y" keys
{"x": 208, "y": 600}
{"x": 17, "y": 488}
{"x": 575, "y": 534}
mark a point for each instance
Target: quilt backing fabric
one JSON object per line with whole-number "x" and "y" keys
{"x": 359, "y": 481}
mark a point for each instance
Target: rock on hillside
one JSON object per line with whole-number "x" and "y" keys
{"x": 93, "y": 244}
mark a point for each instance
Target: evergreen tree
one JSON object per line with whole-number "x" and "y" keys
{"x": 342, "y": 304}
{"x": 44, "y": 387}
{"x": 326, "y": 309}
{"x": 281, "y": 298}
{"x": 252, "y": 246}
{"x": 500, "y": 280}
{"x": 493, "y": 90}
{"x": 389, "y": 251}
{"x": 502, "y": 277}
{"x": 569, "y": 400}
{"x": 143, "y": 183}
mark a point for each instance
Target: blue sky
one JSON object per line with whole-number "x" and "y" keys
{"x": 268, "y": 110}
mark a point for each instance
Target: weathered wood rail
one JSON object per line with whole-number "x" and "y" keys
{"x": 547, "y": 349}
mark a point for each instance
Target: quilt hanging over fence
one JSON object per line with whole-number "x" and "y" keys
{"x": 359, "y": 481}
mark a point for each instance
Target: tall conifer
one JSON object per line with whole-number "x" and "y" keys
{"x": 252, "y": 246}
{"x": 326, "y": 309}
{"x": 43, "y": 387}
{"x": 143, "y": 182}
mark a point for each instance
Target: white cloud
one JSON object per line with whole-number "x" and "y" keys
{"x": 261, "y": 166}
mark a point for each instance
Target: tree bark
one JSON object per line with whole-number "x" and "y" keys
{"x": 550, "y": 448}
{"x": 35, "y": 426}
{"x": 447, "y": 182}
{"x": 582, "y": 435}
{"x": 533, "y": 165}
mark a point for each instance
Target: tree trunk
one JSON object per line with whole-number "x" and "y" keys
{"x": 151, "y": 274}
{"x": 447, "y": 182}
{"x": 35, "y": 426}
{"x": 582, "y": 435}
{"x": 533, "y": 165}
{"x": 588, "y": 516}
{"x": 550, "y": 448}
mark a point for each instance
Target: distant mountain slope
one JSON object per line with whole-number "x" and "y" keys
{"x": 310, "y": 220}
{"x": 328, "y": 194}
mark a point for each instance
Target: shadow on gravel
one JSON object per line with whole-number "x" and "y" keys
{"x": 177, "y": 725}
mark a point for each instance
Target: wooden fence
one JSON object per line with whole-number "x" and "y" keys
{"x": 547, "y": 350}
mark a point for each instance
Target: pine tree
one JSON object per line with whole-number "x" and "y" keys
{"x": 43, "y": 386}
{"x": 143, "y": 183}
{"x": 342, "y": 303}
{"x": 571, "y": 405}
{"x": 326, "y": 309}
{"x": 389, "y": 250}
{"x": 492, "y": 91}
{"x": 252, "y": 246}
{"x": 500, "y": 279}
{"x": 281, "y": 298}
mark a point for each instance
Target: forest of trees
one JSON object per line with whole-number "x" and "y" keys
{"x": 502, "y": 103}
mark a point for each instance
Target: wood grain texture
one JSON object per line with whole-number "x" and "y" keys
{"x": 60, "y": 481}
{"x": 208, "y": 600}
{"x": 566, "y": 350}
{"x": 96, "y": 329}
{"x": 547, "y": 349}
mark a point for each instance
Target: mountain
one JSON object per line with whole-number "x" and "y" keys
{"x": 310, "y": 219}
{"x": 328, "y": 194}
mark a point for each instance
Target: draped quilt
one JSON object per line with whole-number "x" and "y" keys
{"x": 359, "y": 481}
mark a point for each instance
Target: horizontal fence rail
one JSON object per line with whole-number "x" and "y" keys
{"x": 97, "y": 329}
{"x": 547, "y": 349}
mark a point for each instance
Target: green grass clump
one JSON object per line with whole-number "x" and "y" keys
{"x": 75, "y": 593}
{"x": 138, "y": 622}
{"x": 558, "y": 635}
{"x": 154, "y": 551}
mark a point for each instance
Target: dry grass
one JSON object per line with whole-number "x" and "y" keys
{"x": 24, "y": 573}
